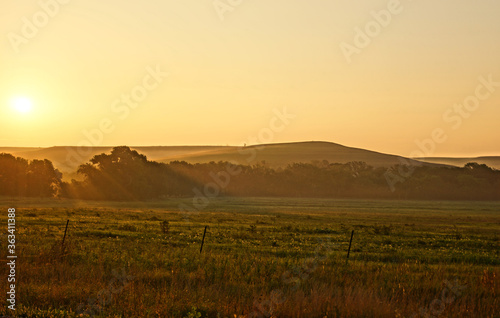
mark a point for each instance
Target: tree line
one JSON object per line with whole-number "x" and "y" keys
{"x": 36, "y": 178}
{"x": 124, "y": 174}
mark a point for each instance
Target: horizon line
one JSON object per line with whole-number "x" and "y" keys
{"x": 256, "y": 145}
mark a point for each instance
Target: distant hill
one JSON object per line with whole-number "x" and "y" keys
{"x": 282, "y": 154}
{"x": 67, "y": 159}
{"x": 493, "y": 161}
{"x": 18, "y": 149}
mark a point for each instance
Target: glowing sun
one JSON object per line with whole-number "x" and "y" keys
{"x": 21, "y": 104}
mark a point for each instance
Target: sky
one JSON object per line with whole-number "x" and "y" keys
{"x": 400, "y": 77}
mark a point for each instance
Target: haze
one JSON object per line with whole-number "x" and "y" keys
{"x": 227, "y": 77}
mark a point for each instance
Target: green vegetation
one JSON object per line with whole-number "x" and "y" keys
{"x": 121, "y": 259}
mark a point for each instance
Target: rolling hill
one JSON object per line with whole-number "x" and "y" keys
{"x": 280, "y": 155}
{"x": 491, "y": 161}
{"x": 67, "y": 159}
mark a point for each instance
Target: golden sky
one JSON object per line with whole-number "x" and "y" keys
{"x": 379, "y": 75}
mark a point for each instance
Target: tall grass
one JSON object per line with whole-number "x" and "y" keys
{"x": 402, "y": 258}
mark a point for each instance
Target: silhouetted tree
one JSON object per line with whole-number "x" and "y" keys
{"x": 42, "y": 180}
{"x": 18, "y": 177}
{"x": 12, "y": 175}
{"x": 124, "y": 174}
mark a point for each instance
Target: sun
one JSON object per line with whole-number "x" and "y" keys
{"x": 21, "y": 104}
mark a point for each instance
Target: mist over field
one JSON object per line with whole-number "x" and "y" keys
{"x": 127, "y": 175}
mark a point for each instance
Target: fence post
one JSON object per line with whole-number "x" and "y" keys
{"x": 64, "y": 238}
{"x": 203, "y": 240}
{"x": 349, "y": 250}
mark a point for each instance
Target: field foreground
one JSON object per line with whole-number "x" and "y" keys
{"x": 261, "y": 258}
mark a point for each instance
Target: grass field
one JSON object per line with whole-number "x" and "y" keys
{"x": 261, "y": 257}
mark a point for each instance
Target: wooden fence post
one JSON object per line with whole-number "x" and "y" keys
{"x": 349, "y": 250}
{"x": 64, "y": 238}
{"x": 203, "y": 240}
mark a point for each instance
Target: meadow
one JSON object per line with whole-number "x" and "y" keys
{"x": 262, "y": 257}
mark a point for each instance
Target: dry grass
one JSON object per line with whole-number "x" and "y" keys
{"x": 118, "y": 259}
